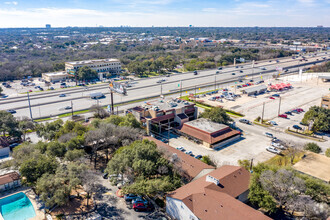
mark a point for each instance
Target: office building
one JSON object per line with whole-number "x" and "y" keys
{"x": 325, "y": 102}
{"x": 55, "y": 76}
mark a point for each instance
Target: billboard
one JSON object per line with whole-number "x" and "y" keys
{"x": 117, "y": 87}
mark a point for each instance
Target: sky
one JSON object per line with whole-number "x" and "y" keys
{"x": 162, "y": 13}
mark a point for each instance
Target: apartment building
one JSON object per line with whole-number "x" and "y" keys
{"x": 101, "y": 66}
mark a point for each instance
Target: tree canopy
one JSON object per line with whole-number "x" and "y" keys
{"x": 319, "y": 117}
{"x": 86, "y": 73}
{"x": 216, "y": 114}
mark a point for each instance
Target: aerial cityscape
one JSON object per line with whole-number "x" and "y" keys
{"x": 170, "y": 110}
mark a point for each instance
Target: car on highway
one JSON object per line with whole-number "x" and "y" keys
{"x": 195, "y": 72}
{"x": 297, "y": 127}
{"x": 276, "y": 95}
{"x": 282, "y": 116}
{"x": 11, "y": 111}
{"x": 251, "y": 80}
{"x": 270, "y": 135}
{"x": 241, "y": 71}
{"x": 220, "y": 68}
{"x": 245, "y": 121}
{"x": 271, "y": 97}
{"x": 67, "y": 107}
{"x": 240, "y": 80}
{"x": 217, "y": 72}
{"x": 237, "y": 66}
{"x": 159, "y": 81}
{"x": 62, "y": 95}
{"x": 273, "y": 150}
{"x": 233, "y": 74}
{"x": 263, "y": 68}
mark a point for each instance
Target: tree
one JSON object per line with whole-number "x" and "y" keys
{"x": 244, "y": 163}
{"x": 283, "y": 185}
{"x": 8, "y": 124}
{"x": 25, "y": 124}
{"x": 327, "y": 152}
{"x": 206, "y": 159}
{"x": 86, "y": 73}
{"x": 319, "y": 118}
{"x": 216, "y": 114}
{"x": 49, "y": 130}
{"x": 73, "y": 155}
{"x": 313, "y": 147}
{"x": 99, "y": 112}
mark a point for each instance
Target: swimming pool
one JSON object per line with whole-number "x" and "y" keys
{"x": 16, "y": 207}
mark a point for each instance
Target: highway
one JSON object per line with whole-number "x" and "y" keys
{"x": 49, "y": 103}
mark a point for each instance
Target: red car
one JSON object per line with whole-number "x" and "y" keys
{"x": 30, "y": 90}
{"x": 271, "y": 97}
{"x": 300, "y": 110}
{"x": 283, "y": 116}
{"x": 244, "y": 85}
{"x": 142, "y": 207}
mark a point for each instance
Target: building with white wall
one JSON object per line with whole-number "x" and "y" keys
{"x": 55, "y": 76}
{"x": 219, "y": 194}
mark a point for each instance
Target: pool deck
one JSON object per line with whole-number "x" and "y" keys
{"x": 40, "y": 214}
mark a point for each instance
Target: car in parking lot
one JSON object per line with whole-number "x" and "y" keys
{"x": 129, "y": 197}
{"x": 278, "y": 145}
{"x": 11, "y": 111}
{"x": 241, "y": 71}
{"x": 272, "y": 122}
{"x": 288, "y": 113}
{"x": 245, "y": 121}
{"x": 276, "y": 95}
{"x": 140, "y": 207}
{"x": 270, "y": 135}
{"x": 220, "y": 68}
{"x": 180, "y": 148}
{"x": 282, "y": 116}
{"x": 273, "y": 150}
{"x": 51, "y": 88}
{"x": 271, "y": 97}
{"x": 297, "y": 127}
{"x": 105, "y": 176}
{"x": 233, "y": 74}
{"x": 189, "y": 152}
{"x": 198, "y": 156}
{"x": 140, "y": 199}
{"x": 217, "y": 72}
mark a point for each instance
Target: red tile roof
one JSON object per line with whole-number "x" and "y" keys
{"x": 210, "y": 138}
{"x": 190, "y": 165}
{"x": 9, "y": 177}
{"x": 210, "y": 201}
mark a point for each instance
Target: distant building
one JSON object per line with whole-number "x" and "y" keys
{"x": 210, "y": 134}
{"x": 48, "y": 26}
{"x": 9, "y": 181}
{"x": 162, "y": 114}
{"x": 325, "y": 102}
{"x": 219, "y": 194}
{"x": 55, "y": 76}
{"x": 101, "y": 66}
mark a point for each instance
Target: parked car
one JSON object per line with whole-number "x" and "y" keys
{"x": 62, "y": 95}
{"x": 189, "y": 152}
{"x": 300, "y": 110}
{"x": 129, "y": 197}
{"x": 283, "y": 116}
{"x": 288, "y": 113}
{"x": 273, "y": 150}
{"x": 233, "y": 74}
{"x": 220, "y": 68}
{"x": 270, "y": 135}
{"x": 11, "y": 111}
{"x": 241, "y": 71}
{"x": 179, "y": 148}
{"x": 140, "y": 199}
{"x": 276, "y": 95}
{"x": 271, "y": 97}
{"x": 278, "y": 145}
{"x": 105, "y": 176}
{"x": 245, "y": 121}
{"x": 51, "y": 88}
{"x": 240, "y": 80}
{"x": 198, "y": 157}
{"x": 297, "y": 127}
{"x": 30, "y": 90}
{"x": 272, "y": 122}
{"x": 138, "y": 207}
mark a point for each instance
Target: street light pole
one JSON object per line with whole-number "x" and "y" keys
{"x": 161, "y": 88}
{"x": 180, "y": 88}
{"x": 71, "y": 109}
{"x": 279, "y": 107}
{"x": 262, "y": 115}
{"x": 215, "y": 82}
{"x": 28, "y": 95}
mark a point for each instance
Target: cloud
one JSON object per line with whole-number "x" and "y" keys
{"x": 209, "y": 9}
{"x": 11, "y": 3}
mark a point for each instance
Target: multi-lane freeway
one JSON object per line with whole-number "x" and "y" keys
{"x": 49, "y": 103}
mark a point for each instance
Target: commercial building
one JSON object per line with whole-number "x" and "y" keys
{"x": 210, "y": 134}
{"x": 255, "y": 90}
{"x": 55, "y": 76}
{"x": 192, "y": 168}
{"x": 101, "y": 66}
{"x": 325, "y": 102}
{"x": 164, "y": 114}
{"x": 9, "y": 181}
{"x": 219, "y": 194}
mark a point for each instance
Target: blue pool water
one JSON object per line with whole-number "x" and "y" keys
{"x": 16, "y": 207}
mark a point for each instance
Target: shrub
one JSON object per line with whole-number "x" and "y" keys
{"x": 313, "y": 147}
{"x": 327, "y": 152}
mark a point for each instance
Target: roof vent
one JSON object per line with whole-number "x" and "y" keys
{"x": 205, "y": 210}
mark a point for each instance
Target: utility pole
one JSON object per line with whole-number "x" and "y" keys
{"x": 235, "y": 61}
{"x": 28, "y": 95}
{"x": 161, "y": 88}
{"x": 111, "y": 101}
{"x": 279, "y": 107}
{"x": 71, "y": 109}
{"x": 262, "y": 115}
{"x": 195, "y": 92}
{"x": 215, "y": 82}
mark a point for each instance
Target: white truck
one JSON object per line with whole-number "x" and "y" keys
{"x": 96, "y": 95}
